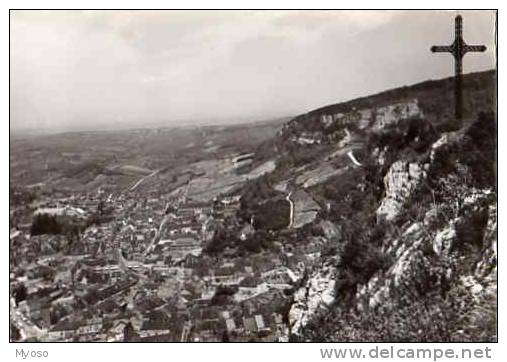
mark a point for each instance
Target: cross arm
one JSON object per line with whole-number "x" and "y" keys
{"x": 442, "y": 49}
{"x": 474, "y": 48}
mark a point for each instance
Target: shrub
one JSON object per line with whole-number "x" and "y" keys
{"x": 454, "y": 317}
{"x": 272, "y": 215}
{"x": 479, "y": 150}
{"x": 45, "y": 224}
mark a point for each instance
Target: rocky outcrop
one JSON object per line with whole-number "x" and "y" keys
{"x": 400, "y": 182}
{"x": 444, "y": 240}
{"x": 410, "y": 268}
{"x": 316, "y": 294}
{"x": 442, "y": 146}
{"x": 421, "y": 244}
{"x": 394, "y": 113}
{"x": 486, "y": 268}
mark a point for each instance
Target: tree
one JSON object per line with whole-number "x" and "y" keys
{"x": 45, "y": 224}
{"x": 129, "y": 334}
{"x": 20, "y": 293}
{"x": 15, "y": 333}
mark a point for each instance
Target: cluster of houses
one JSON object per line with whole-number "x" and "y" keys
{"x": 110, "y": 285}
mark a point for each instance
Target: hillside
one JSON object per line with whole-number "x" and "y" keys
{"x": 434, "y": 98}
{"x": 402, "y": 199}
{"x": 369, "y": 220}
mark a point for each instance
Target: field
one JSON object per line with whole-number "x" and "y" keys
{"x": 116, "y": 161}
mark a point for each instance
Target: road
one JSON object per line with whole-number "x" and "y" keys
{"x": 134, "y": 187}
{"x": 353, "y": 159}
{"x": 291, "y": 215}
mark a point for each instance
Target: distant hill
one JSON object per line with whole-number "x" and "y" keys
{"x": 435, "y": 97}
{"x": 78, "y": 161}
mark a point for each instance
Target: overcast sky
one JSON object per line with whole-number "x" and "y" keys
{"x": 73, "y": 70}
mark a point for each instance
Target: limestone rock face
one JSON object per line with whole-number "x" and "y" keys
{"x": 421, "y": 245}
{"x": 443, "y": 241}
{"x": 411, "y": 267}
{"x": 486, "y": 268}
{"x": 316, "y": 294}
{"x": 394, "y": 113}
{"x": 402, "y": 179}
{"x": 443, "y": 144}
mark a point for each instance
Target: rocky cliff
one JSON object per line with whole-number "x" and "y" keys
{"x": 413, "y": 253}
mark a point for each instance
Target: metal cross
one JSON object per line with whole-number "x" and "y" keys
{"x": 458, "y": 49}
